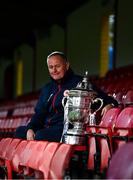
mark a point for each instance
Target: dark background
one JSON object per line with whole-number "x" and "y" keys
{"x": 20, "y": 19}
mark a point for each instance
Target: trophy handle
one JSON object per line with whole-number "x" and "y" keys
{"x": 64, "y": 101}
{"x": 96, "y": 100}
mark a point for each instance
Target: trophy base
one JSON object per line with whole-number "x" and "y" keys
{"x": 74, "y": 139}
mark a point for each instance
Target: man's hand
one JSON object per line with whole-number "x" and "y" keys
{"x": 106, "y": 108}
{"x": 66, "y": 92}
{"x": 30, "y": 134}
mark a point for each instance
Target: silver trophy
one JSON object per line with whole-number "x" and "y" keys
{"x": 78, "y": 112}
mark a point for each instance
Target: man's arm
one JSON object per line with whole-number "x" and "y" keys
{"x": 108, "y": 101}
{"x": 37, "y": 120}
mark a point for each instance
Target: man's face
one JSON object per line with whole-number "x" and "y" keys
{"x": 57, "y": 67}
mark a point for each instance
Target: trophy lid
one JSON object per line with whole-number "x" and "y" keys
{"x": 85, "y": 84}
{"x": 83, "y": 88}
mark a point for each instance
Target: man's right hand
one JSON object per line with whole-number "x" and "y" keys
{"x": 30, "y": 134}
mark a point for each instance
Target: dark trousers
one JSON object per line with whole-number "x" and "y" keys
{"x": 52, "y": 134}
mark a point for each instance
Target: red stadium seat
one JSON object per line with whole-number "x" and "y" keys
{"x": 35, "y": 150}
{"x": 44, "y": 163}
{"x": 4, "y": 145}
{"x": 118, "y": 96}
{"x": 128, "y": 98}
{"x": 2, "y": 127}
{"x": 60, "y": 161}
{"x": 91, "y": 147}
{"x": 123, "y": 127}
{"x": 99, "y": 142}
{"x": 36, "y": 155}
{"x": 9, "y": 155}
{"x": 103, "y": 137}
{"x": 18, "y": 156}
{"x": 121, "y": 164}
{"x": 11, "y": 148}
{"x": 26, "y": 155}
{"x": 109, "y": 119}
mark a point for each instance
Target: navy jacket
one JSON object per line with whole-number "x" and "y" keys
{"x": 49, "y": 110}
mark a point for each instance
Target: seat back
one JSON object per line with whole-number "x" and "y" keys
{"x": 47, "y": 156}
{"x": 60, "y": 161}
{"x": 36, "y": 152}
{"x": 121, "y": 164}
{"x": 4, "y": 145}
{"x": 110, "y": 117}
{"x": 18, "y": 156}
{"x": 123, "y": 128}
{"x": 125, "y": 118}
{"x": 128, "y": 98}
{"x": 118, "y": 96}
{"x": 103, "y": 138}
{"x": 11, "y": 149}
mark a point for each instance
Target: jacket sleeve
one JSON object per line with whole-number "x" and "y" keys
{"x": 38, "y": 119}
{"x": 106, "y": 99}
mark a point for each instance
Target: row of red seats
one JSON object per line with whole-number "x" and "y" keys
{"x": 16, "y": 115}
{"x": 23, "y": 114}
{"x": 21, "y": 105}
{"x": 9, "y": 125}
{"x": 103, "y": 140}
{"x": 19, "y": 117}
{"x": 123, "y": 99}
{"x": 24, "y": 157}
{"x": 116, "y": 80}
{"x": 115, "y": 129}
{"x": 117, "y": 73}
{"x": 18, "y": 109}
{"x": 105, "y": 129}
{"x": 116, "y": 85}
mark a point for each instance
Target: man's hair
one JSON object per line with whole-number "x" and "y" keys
{"x": 61, "y": 54}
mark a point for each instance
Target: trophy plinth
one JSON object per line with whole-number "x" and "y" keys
{"x": 76, "y": 135}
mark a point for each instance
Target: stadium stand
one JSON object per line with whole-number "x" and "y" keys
{"x": 28, "y": 159}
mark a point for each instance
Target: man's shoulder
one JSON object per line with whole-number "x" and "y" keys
{"x": 77, "y": 77}
{"x": 47, "y": 86}
{"x": 73, "y": 80}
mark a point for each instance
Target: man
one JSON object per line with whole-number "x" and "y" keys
{"x": 47, "y": 122}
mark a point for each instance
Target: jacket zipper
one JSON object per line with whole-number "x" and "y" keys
{"x": 53, "y": 103}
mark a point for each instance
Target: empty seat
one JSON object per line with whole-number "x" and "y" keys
{"x": 118, "y": 96}
{"x": 109, "y": 119}
{"x": 33, "y": 153}
{"x": 18, "y": 156}
{"x": 3, "y": 113}
{"x": 123, "y": 127}
{"x": 36, "y": 155}
{"x": 9, "y": 155}
{"x": 99, "y": 142}
{"x": 121, "y": 164}
{"x": 91, "y": 147}
{"x": 44, "y": 162}
{"x": 11, "y": 148}
{"x": 128, "y": 98}
{"x": 60, "y": 161}
{"x": 103, "y": 137}
{"x": 4, "y": 147}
